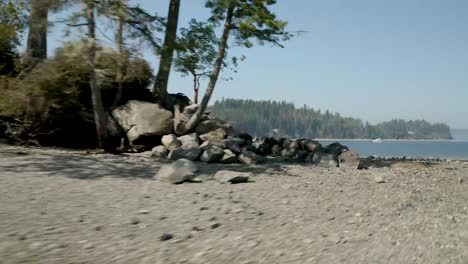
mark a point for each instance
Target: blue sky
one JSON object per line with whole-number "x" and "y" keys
{"x": 372, "y": 59}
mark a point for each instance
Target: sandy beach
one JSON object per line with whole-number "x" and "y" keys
{"x": 62, "y": 206}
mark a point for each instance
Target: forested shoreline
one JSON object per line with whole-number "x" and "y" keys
{"x": 284, "y": 119}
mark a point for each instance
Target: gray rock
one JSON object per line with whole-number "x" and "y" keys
{"x": 212, "y": 154}
{"x": 215, "y": 135}
{"x": 159, "y": 152}
{"x": 171, "y": 142}
{"x": 295, "y": 144}
{"x": 143, "y": 119}
{"x": 225, "y": 176}
{"x": 325, "y": 159}
{"x": 349, "y": 160}
{"x": 211, "y": 125}
{"x": 248, "y": 157}
{"x": 188, "y": 112}
{"x": 229, "y": 157}
{"x": 311, "y": 145}
{"x": 335, "y": 149}
{"x": 234, "y": 144}
{"x": 180, "y": 171}
{"x": 190, "y": 154}
{"x": 289, "y": 153}
{"x": 379, "y": 179}
{"x": 310, "y": 158}
{"x": 276, "y": 150}
{"x": 189, "y": 141}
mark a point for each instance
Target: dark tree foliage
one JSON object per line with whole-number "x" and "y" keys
{"x": 13, "y": 21}
{"x": 270, "y": 117}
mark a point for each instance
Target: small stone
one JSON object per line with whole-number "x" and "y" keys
{"x": 180, "y": 171}
{"x": 98, "y": 228}
{"x": 196, "y": 228}
{"x": 143, "y": 211}
{"x": 379, "y": 179}
{"x": 166, "y": 237}
{"x": 214, "y": 225}
{"x": 159, "y": 152}
{"x": 135, "y": 221}
{"x": 35, "y": 245}
{"x": 225, "y": 176}
{"x": 88, "y": 246}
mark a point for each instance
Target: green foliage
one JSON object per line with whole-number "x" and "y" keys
{"x": 58, "y": 89}
{"x": 13, "y": 21}
{"x": 261, "y": 117}
{"x": 196, "y": 50}
{"x": 253, "y": 20}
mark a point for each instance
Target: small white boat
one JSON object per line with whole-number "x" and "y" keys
{"x": 377, "y": 140}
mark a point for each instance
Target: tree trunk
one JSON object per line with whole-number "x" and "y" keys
{"x": 96, "y": 97}
{"x": 167, "y": 51}
{"x": 196, "y": 86}
{"x": 122, "y": 65}
{"x": 214, "y": 75}
{"x": 36, "y": 47}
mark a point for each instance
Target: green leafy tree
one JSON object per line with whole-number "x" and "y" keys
{"x": 196, "y": 52}
{"x": 247, "y": 21}
{"x": 13, "y": 21}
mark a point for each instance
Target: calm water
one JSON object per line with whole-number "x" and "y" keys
{"x": 416, "y": 149}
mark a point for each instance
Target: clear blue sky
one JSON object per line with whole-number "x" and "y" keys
{"x": 372, "y": 59}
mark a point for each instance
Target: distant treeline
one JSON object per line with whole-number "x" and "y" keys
{"x": 273, "y": 118}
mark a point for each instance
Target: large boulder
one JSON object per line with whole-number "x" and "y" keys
{"x": 192, "y": 154}
{"x": 349, "y": 160}
{"x": 211, "y": 125}
{"x": 171, "y": 142}
{"x": 189, "y": 141}
{"x": 212, "y": 154}
{"x": 178, "y": 172}
{"x": 215, "y": 135}
{"x": 335, "y": 148}
{"x": 324, "y": 159}
{"x": 143, "y": 119}
{"x": 263, "y": 145}
{"x": 234, "y": 144}
{"x": 276, "y": 150}
{"x": 249, "y": 157}
{"x": 311, "y": 145}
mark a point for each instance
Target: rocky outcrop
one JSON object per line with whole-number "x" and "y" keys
{"x": 143, "y": 119}
{"x": 216, "y": 141}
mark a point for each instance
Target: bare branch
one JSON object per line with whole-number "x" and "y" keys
{"x": 76, "y": 25}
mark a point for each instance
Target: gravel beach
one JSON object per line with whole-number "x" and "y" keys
{"x": 62, "y": 206}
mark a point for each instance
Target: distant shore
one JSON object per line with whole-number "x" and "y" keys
{"x": 399, "y": 140}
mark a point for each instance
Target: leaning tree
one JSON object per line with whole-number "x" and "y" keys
{"x": 246, "y": 21}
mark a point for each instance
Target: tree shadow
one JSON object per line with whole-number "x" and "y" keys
{"x": 91, "y": 167}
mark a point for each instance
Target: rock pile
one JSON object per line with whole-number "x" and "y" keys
{"x": 216, "y": 141}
